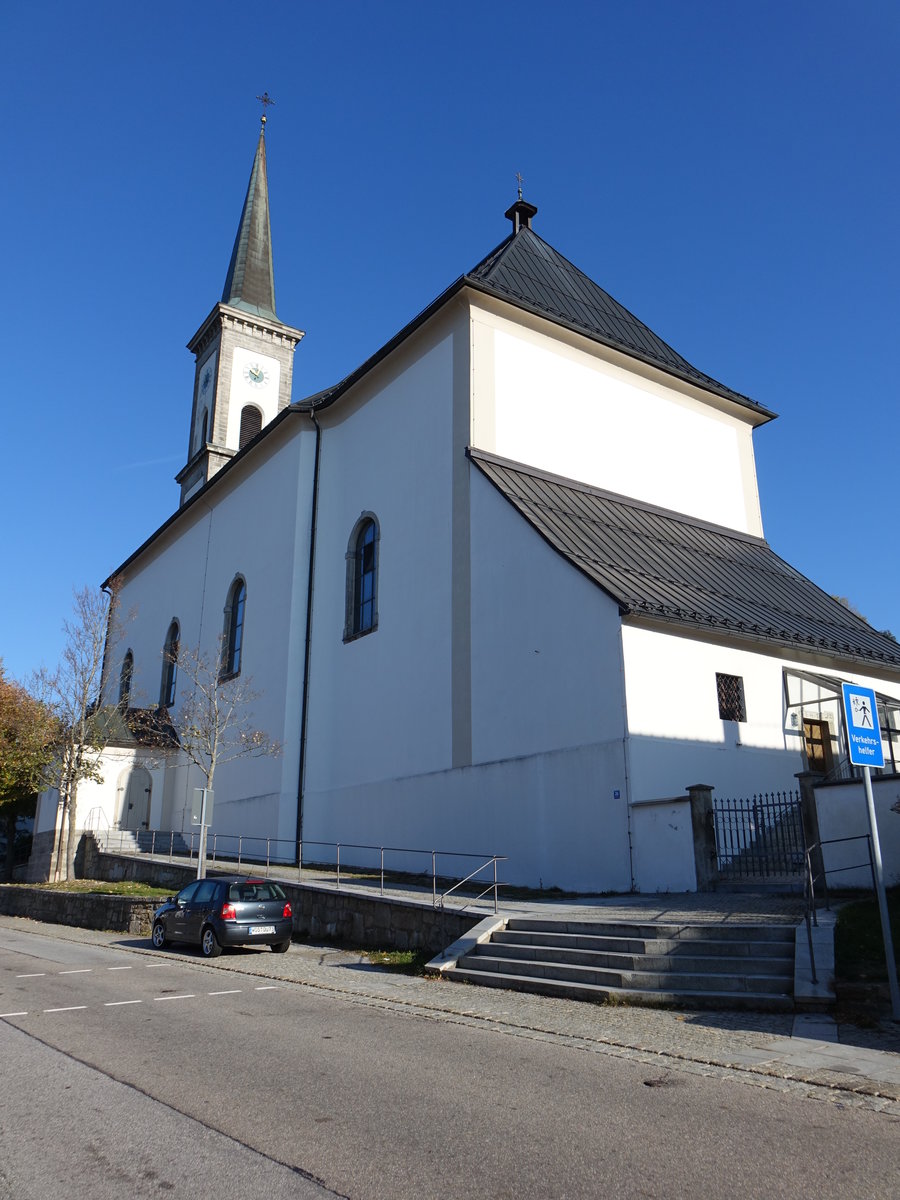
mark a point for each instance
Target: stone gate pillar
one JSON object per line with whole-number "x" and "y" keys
{"x": 703, "y": 826}
{"x": 809, "y": 816}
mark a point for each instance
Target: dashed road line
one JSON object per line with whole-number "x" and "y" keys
{"x": 118, "y": 968}
{"x": 230, "y": 992}
{"x": 71, "y": 1008}
{"x": 186, "y": 996}
{"x": 77, "y": 971}
{"x": 119, "y": 1003}
{"x": 35, "y": 975}
{"x": 269, "y": 987}
{"x": 18, "y": 1014}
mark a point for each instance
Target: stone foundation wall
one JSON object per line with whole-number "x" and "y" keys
{"x": 319, "y": 912}
{"x": 84, "y": 910}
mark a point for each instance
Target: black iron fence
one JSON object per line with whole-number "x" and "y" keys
{"x": 759, "y": 837}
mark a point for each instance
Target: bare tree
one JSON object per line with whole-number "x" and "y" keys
{"x": 72, "y": 691}
{"x": 214, "y": 720}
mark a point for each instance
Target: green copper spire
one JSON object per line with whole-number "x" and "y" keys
{"x": 250, "y": 283}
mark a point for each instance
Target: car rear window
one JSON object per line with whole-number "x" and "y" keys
{"x": 258, "y": 890}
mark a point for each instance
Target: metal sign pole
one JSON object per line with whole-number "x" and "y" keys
{"x": 882, "y": 899}
{"x": 201, "y": 857}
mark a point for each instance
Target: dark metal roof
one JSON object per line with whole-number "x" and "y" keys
{"x": 250, "y": 283}
{"x": 658, "y": 564}
{"x": 534, "y": 276}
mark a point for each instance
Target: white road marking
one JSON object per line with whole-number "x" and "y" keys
{"x": 77, "y": 971}
{"x": 230, "y": 992}
{"x": 71, "y": 1008}
{"x": 36, "y": 975}
{"x": 269, "y": 987}
{"x": 186, "y": 996}
{"x": 18, "y": 1014}
{"x": 118, "y": 1003}
{"x": 118, "y": 968}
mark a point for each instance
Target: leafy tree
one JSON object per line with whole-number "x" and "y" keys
{"x": 28, "y": 732}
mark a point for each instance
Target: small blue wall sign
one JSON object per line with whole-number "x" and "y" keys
{"x": 863, "y": 733}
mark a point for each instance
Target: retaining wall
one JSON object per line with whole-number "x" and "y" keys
{"x": 319, "y": 912}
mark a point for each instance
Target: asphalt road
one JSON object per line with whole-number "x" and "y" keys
{"x": 159, "y": 1075}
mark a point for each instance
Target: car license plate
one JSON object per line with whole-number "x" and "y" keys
{"x": 260, "y": 929}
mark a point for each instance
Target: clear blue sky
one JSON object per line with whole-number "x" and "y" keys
{"x": 728, "y": 171}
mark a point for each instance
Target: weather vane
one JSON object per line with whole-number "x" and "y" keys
{"x": 519, "y": 181}
{"x": 265, "y": 100}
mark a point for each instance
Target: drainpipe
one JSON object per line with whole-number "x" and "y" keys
{"x": 304, "y": 710}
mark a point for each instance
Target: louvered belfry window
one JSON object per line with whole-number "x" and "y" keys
{"x": 251, "y": 424}
{"x": 730, "y": 689}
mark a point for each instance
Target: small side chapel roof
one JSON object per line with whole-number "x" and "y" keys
{"x": 662, "y": 565}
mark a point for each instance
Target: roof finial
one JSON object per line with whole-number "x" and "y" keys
{"x": 519, "y": 181}
{"x": 265, "y": 100}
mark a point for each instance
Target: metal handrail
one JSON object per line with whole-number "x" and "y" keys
{"x": 494, "y": 858}
{"x": 163, "y": 842}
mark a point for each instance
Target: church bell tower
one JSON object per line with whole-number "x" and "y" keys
{"x": 244, "y": 354}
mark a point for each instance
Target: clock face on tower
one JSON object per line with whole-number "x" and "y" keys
{"x": 256, "y": 374}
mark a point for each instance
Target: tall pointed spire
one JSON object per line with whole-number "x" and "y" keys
{"x": 250, "y": 283}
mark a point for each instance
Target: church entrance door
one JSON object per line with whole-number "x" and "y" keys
{"x": 135, "y": 811}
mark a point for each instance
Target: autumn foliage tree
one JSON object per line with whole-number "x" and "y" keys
{"x": 28, "y": 731}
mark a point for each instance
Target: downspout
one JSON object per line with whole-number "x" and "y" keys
{"x": 310, "y": 575}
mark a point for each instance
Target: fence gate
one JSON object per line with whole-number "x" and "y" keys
{"x": 761, "y": 837}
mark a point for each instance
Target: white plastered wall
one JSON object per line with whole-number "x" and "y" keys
{"x": 254, "y": 523}
{"x": 560, "y": 403}
{"x": 676, "y": 735}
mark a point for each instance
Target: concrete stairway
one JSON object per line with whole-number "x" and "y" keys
{"x": 698, "y": 966}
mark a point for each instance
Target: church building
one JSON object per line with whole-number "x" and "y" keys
{"x": 503, "y": 589}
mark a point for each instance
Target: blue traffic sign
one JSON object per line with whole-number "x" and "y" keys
{"x": 863, "y": 734}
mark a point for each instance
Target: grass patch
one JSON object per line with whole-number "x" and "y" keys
{"x": 858, "y": 942}
{"x": 124, "y": 887}
{"x": 400, "y": 962}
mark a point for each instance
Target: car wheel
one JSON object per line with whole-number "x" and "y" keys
{"x": 158, "y": 936}
{"x": 281, "y": 947}
{"x": 209, "y": 943}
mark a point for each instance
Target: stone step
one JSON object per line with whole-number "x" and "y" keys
{"x": 630, "y": 945}
{"x": 640, "y": 980}
{"x": 655, "y": 930}
{"x": 669, "y": 997}
{"x": 728, "y": 964}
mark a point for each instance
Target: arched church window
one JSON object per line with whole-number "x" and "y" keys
{"x": 125, "y": 677}
{"x": 170, "y": 667}
{"x": 251, "y": 424}
{"x": 234, "y": 628}
{"x": 361, "y": 614}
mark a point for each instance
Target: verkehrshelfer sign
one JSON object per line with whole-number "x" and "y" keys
{"x": 863, "y": 734}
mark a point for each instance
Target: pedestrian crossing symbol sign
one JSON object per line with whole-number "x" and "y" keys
{"x": 863, "y": 733}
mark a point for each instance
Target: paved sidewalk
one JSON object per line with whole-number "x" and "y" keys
{"x": 806, "y": 1055}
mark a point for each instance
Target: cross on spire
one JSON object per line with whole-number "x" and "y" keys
{"x": 519, "y": 181}
{"x": 265, "y": 100}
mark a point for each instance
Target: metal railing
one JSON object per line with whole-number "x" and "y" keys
{"x": 809, "y": 888}
{"x": 762, "y": 836}
{"x": 430, "y": 872}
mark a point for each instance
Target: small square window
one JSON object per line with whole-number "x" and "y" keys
{"x": 730, "y": 689}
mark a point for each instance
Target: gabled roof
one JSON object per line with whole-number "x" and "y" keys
{"x": 661, "y": 565}
{"x": 250, "y": 282}
{"x": 532, "y": 275}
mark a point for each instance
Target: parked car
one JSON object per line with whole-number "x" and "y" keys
{"x": 230, "y": 910}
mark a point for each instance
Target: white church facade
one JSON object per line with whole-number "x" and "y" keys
{"x": 503, "y": 589}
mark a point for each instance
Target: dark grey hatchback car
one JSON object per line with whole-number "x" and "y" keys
{"x": 230, "y": 910}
